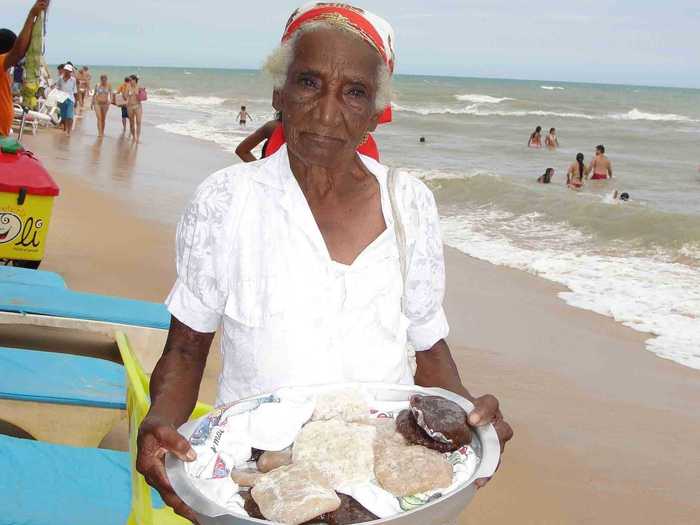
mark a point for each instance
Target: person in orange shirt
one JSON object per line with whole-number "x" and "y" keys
{"x": 12, "y": 50}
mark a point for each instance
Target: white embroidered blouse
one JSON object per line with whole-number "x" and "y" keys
{"x": 251, "y": 259}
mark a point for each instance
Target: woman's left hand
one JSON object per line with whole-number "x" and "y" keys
{"x": 486, "y": 410}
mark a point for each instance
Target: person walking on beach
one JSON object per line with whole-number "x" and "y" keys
{"x": 243, "y": 117}
{"x": 120, "y": 101}
{"x": 12, "y": 50}
{"x": 576, "y": 173}
{"x": 84, "y": 79}
{"x": 601, "y": 165}
{"x": 134, "y": 108}
{"x": 101, "y": 101}
{"x": 263, "y": 133}
{"x": 66, "y": 84}
{"x": 535, "y": 140}
{"x": 551, "y": 140}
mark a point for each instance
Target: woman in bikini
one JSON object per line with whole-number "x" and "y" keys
{"x": 101, "y": 101}
{"x": 535, "y": 138}
{"x": 551, "y": 141}
{"x": 577, "y": 172}
{"x": 83, "y": 79}
{"x": 134, "y": 108}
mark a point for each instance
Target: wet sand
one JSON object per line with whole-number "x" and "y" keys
{"x": 606, "y": 432}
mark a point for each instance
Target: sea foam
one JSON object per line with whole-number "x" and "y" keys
{"x": 481, "y": 99}
{"x": 636, "y": 114}
{"x": 647, "y": 294}
{"x": 476, "y": 110}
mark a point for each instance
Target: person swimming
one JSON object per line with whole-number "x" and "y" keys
{"x": 535, "y": 140}
{"x": 546, "y": 177}
{"x": 551, "y": 141}
{"x": 577, "y": 172}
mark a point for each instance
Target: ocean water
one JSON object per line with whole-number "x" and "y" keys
{"x": 638, "y": 262}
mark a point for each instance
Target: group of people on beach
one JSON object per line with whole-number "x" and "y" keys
{"x": 75, "y": 87}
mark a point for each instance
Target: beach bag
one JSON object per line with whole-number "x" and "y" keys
{"x": 142, "y": 95}
{"x": 119, "y": 100}
{"x": 392, "y": 182}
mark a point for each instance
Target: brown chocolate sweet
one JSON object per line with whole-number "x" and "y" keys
{"x": 250, "y": 506}
{"x": 442, "y": 420}
{"x": 407, "y": 426}
{"x": 349, "y": 512}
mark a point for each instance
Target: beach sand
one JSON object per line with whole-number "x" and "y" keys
{"x": 605, "y": 431}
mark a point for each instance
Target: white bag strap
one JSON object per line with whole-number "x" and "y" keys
{"x": 392, "y": 183}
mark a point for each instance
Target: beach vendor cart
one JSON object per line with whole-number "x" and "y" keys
{"x": 27, "y": 192}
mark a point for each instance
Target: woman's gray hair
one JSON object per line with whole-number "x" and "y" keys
{"x": 278, "y": 63}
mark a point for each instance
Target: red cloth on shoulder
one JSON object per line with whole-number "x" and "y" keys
{"x": 276, "y": 140}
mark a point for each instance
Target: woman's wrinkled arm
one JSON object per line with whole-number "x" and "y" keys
{"x": 177, "y": 376}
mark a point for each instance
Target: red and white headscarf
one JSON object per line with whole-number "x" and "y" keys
{"x": 373, "y": 29}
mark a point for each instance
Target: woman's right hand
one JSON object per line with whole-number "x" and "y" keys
{"x": 156, "y": 437}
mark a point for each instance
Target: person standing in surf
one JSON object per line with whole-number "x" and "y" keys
{"x": 243, "y": 117}
{"x": 551, "y": 140}
{"x": 577, "y": 172}
{"x": 535, "y": 140}
{"x": 601, "y": 165}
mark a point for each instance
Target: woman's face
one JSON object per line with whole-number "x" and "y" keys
{"x": 328, "y": 101}
{"x": 103, "y": 80}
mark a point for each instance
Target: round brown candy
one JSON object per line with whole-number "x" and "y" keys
{"x": 406, "y": 426}
{"x": 250, "y": 506}
{"x": 442, "y": 420}
{"x": 349, "y": 512}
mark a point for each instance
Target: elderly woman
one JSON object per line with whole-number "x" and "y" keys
{"x": 319, "y": 264}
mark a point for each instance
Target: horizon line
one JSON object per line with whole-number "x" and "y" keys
{"x": 694, "y": 88}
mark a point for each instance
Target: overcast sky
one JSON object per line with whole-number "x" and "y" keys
{"x": 623, "y": 41}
